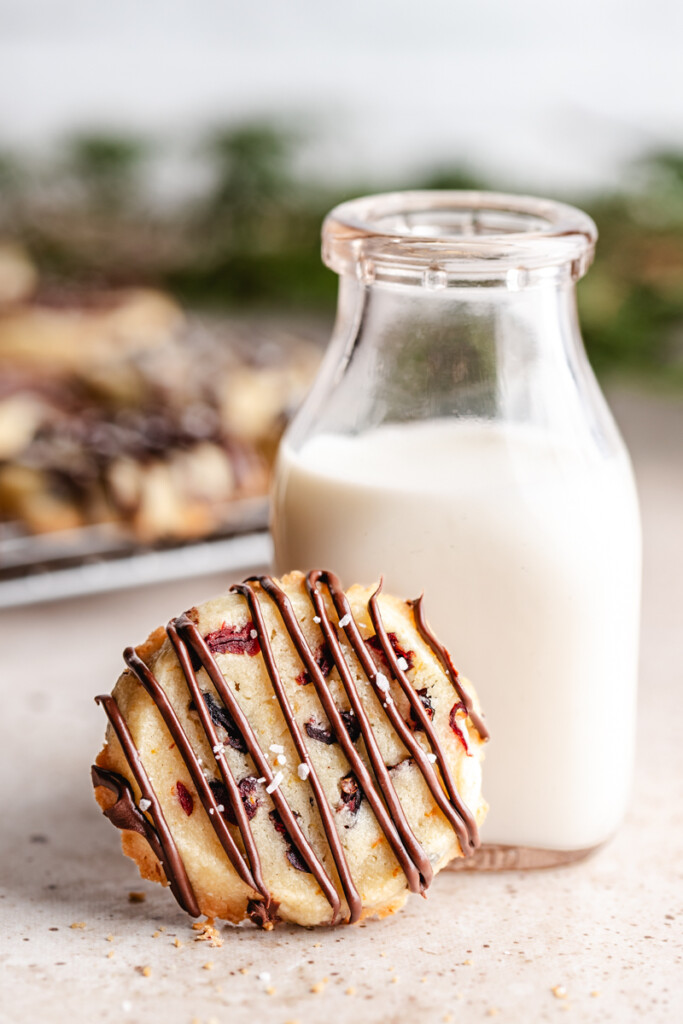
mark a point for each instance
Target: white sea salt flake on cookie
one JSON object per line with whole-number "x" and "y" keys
{"x": 382, "y": 682}
{"x": 277, "y": 779}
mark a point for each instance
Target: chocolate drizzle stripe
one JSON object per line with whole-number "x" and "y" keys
{"x": 447, "y": 663}
{"x": 326, "y": 813}
{"x": 209, "y": 802}
{"x": 424, "y": 719}
{"x": 224, "y": 768}
{"x": 124, "y": 812}
{"x": 362, "y": 774}
{"x": 171, "y": 861}
{"x": 184, "y": 625}
{"x": 412, "y": 847}
{"x": 456, "y": 813}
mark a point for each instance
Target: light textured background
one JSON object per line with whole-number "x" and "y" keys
{"x": 480, "y": 946}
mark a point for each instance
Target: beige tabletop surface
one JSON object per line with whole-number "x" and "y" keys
{"x": 599, "y": 941}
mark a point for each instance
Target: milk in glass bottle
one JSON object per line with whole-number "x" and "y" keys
{"x": 456, "y": 441}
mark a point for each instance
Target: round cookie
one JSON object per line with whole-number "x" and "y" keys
{"x": 288, "y": 751}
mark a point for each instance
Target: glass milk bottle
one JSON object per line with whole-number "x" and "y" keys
{"x": 457, "y": 442}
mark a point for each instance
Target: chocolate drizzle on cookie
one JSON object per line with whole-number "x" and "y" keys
{"x": 223, "y": 800}
{"x": 451, "y": 805}
{"x": 125, "y": 814}
{"x": 447, "y": 664}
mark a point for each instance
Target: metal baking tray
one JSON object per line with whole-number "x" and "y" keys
{"x": 95, "y": 559}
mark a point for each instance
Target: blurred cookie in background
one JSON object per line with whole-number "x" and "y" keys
{"x": 116, "y": 407}
{"x": 18, "y": 276}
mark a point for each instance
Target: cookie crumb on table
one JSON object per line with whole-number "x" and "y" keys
{"x": 78, "y": 924}
{"x": 137, "y": 897}
{"x": 207, "y": 932}
{"x": 559, "y": 991}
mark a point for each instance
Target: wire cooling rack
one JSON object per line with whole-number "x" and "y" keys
{"x": 95, "y": 559}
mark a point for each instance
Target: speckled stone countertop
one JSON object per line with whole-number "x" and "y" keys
{"x": 598, "y": 941}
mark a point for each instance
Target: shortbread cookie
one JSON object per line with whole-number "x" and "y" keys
{"x": 64, "y": 331}
{"x": 288, "y": 751}
{"x": 18, "y": 276}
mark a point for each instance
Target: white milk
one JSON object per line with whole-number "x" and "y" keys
{"x": 529, "y": 558}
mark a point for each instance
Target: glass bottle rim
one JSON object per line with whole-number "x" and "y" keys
{"x": 436, "y": 236}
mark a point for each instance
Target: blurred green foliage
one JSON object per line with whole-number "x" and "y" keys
{"x": 106, "y": 168}
{"x": 251, "y": 237}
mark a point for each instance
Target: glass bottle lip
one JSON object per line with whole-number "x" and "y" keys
{"x": 437, "y": 237}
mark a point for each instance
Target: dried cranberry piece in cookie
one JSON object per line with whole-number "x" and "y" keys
{"x": 324, "y": 661}
{"x": 352, "y": 724}
{"x": 374, "y": 644}
{"x": 221, "y": 716}
{"x": 195, "y": 660}
{"x": 426, "y": 701}
{"x": 318, "y": 732}
{"x": 185, "y": 798}
{"x": 350, "y": 793}
{"x": 234, "y": 640}
{"x": 292, "y": 854}
{"x": 248, "y": 788}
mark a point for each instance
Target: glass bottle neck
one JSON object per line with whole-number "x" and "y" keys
{"x": 463, "y": 351}
{"x": 402, "y": 353}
